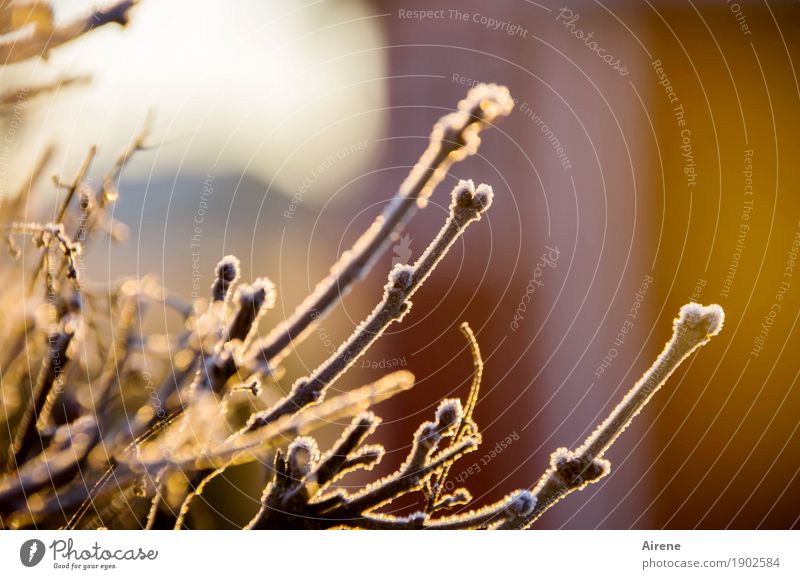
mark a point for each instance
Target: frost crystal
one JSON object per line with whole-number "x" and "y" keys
{"x": 448, "y": 414}
{"x": 522, "y": 503}
{"x": 694, "y": 316}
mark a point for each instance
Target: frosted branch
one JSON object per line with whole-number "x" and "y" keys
{"x": 572, "y": 470}
{"x": 454, "y": 136}
{"x": 468, "y": 204}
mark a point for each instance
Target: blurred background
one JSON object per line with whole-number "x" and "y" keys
{"x": 650, "y": 161}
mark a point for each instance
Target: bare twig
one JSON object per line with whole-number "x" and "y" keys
{"x": 10, "y": 99}
{"x": 468, "y": 204}
{"x": 52, "y": 369}
{"x": 253, "y": 301}
{"x": 91, "y": 459}
{"x": 302, "y": 423}
{"x": 72, "y": 188}
{"x": 455, "y": 136}
{"x": 94, "y": 201}
{"x": 242, "y": 446}
{"x": 519, "y": 503}
{"x": 65, "y": 454}
{"x": 334, "y": 462}
{"x": 466, "y": 426}
{"x": 296, "y": 477}
{"x": 572, "y": 470}
{"x": 40, "y": 43}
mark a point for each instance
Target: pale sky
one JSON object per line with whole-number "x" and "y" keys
{"x": 266, "y": 87}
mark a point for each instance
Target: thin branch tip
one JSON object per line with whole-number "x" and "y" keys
{"x": 707, "y": 319}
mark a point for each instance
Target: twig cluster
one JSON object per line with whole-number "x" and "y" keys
{"x": 129, "y": 431}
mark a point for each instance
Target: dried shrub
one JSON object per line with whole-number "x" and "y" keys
{"x": 71, "y": 356}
